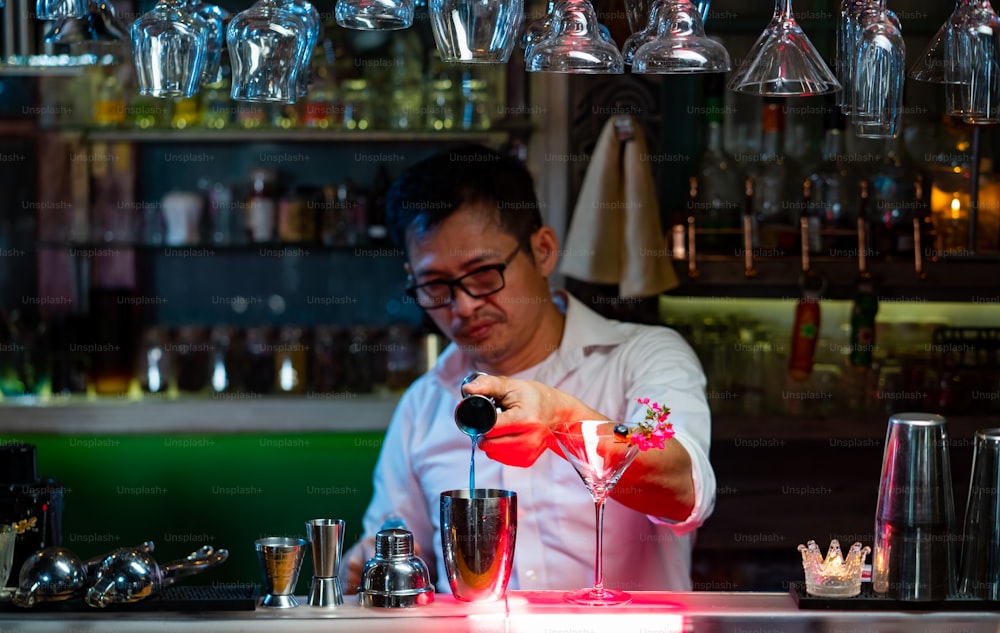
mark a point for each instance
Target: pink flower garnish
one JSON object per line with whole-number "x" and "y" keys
{"x": 654, "y": 431}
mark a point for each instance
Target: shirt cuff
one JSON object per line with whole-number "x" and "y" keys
{"x": 703, "y": 477}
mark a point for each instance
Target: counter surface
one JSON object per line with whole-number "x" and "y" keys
{"x": 527, "y": 612}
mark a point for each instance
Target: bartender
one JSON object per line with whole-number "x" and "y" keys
{"x": 478, "y": 259}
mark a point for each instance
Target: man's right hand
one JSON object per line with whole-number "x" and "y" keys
{"x": 354, "y": 563}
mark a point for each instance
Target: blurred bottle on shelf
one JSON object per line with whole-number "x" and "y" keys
{"x": 284, "y": 116}
{"x": 296, "y": 221}
{"x": 112, "y": 339}
{"x": 833, "y": 197}
{"x": 719, "y": 203}
{"x": 290, "y": 361}
{"x": 440, "y": 101}
{"x": 155, "y": 362}
{"x": 262, "y": 204}
{"x": 260, "y": 378}
{"x": 25, "y": 360}
{"x": 70, "y": 364}
{"x": 192, "y": 352}
{"x": 319, "y": 102}
{"x": 326, "y": 373}
{"x": 774, "y": 226}
{"x": 477, "y": 106}
{"x": 355, "y": 101}
{"x": 251, "y": 115}
{"x": 216, "y": 108}
{"x": 112, "y": 218}
{"x": 109, "y": 97}
{"x": 361, "y": 360}
{"x": 378, "y": 232}
{"x": 893, "y": 200}
{"x": 187, "y": 112}
{"x": 225, "y": 372}
{"x": 407, "y": 88}
{"x": 402, "y": 357}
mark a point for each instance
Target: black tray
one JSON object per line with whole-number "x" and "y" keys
{"x": 868, "y": 600}
{"x": 190, "y": 598}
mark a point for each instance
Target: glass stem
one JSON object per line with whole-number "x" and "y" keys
{"x": 783, "y": 8}
{"x": 599, "y": 553}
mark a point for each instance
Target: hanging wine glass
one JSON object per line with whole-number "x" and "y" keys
{"x": 169, "y": 46}
{"x": 537, "y": 30}
{"x": 880, "y": 62}
{"x": 375, "y": 15}
{"x": 576, "y": 45}
{"x": 647, "y": 34}
{"x": 977, "y": 100}
{"x": 847, "y": 44}
{"x": 215, "y": 17}
{"x": 59, "y": 9}
{"x": 100, "y": 25}
{"x": 312, "y": 23}
{"x": 475, "y": 30}
{"x": 681, "y": 45}
{"x": 783, "y": 62}
{"x": 637, "y": 12}
{"x": 265, "y": 49}
{"x": 941, "y": 60}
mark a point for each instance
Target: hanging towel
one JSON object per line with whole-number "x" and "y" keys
{"x": 615, "y": 235}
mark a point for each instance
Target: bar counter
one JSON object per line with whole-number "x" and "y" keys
{"x": 526, "y": 612}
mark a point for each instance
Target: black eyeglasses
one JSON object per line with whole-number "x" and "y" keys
{"x": 481, "y": 282}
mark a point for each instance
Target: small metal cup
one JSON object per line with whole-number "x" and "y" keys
{"x": 980, "y": 565}
{"x": 327, "y": 539}
{"x": 914, "y": 553}
{"x": 478, "y": 532}
{"x": 280, "y": 560}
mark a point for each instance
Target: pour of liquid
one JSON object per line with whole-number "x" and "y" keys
{"x": 475, "y": 416}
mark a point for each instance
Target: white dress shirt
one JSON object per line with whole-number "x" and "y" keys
{"x": 606, "y": 364}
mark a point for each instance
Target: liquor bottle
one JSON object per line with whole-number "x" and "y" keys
{"x": 893, "y": 198}
{"x": 317, "y": 111}
{"x": 832, "y": 205}
{"x": 407, "y": 82}
{"x": 216, "y": 108}
{"x": 440, "y": 97}
{"x": 109, "y": 99}
{"x": 775, "y": 229}
{"x": 262, "y": 205}
{"x": 720, "y": 185}
{"x": 378, "y": 233}
{"x": 33, "y": 504}
{"x": 187, "y": 112}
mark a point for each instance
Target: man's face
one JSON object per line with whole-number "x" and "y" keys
{"x": 490, "y": 328}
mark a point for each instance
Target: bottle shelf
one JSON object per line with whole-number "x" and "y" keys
{"x": 271, "y": 249}
{"x": 951, "y": 278}
{"x": 221, "y": 413}
{"x": 492, "y": 136}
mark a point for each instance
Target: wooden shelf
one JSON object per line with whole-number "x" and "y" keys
{"x": 951, "y": 278}
{"x": 221, "y": 413}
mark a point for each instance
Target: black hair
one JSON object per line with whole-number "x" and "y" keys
{"x": 427, "y": 193}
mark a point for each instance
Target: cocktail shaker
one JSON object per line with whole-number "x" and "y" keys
{"x": 980, "y": 565}
{"x": 395, "y": 577}
{"x": 478, "y": 533}
{"x": 915, "y": 538}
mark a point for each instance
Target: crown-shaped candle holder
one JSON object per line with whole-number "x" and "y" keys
{"x": 833, "y": 577}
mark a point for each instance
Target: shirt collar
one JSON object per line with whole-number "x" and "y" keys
{"x": 583, "y": 332}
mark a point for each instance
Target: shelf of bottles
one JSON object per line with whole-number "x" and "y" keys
{"x": 396, "y": 89}
{"x": 763, "y": 216}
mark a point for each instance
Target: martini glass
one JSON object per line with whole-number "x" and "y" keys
{"x": 599, "y": 457}
{"x": 783, "y": 62}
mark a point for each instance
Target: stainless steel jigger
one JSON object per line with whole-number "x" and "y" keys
{"x": 280, "y": 560}
{"x": 327, "y": 538}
